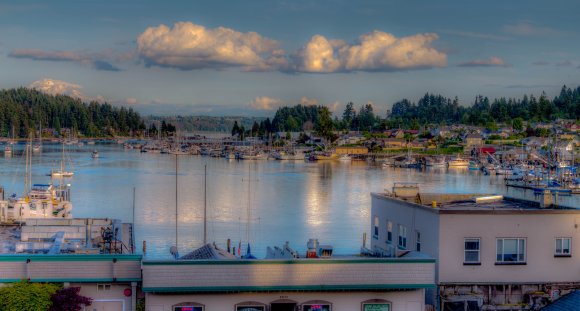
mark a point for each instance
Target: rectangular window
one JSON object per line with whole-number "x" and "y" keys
{"x": 188, "y": 308}
{"x": 472, "y": 251}
{"x": 389, "y": 232}
{"x": 418, "y": 241}
{"x": 316, "y": 307}
{"x": 376, "y": 228}
{"x": 402, "y": 237}
{"x": 103, "y": 287}
{"x": 563, "y": 247}
{"x": 250, "y": 308}
{"x": 376, "y": 307}
{"x": 511, "y": 250}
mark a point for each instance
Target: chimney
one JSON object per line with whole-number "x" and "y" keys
{"x": 546, "y": 199}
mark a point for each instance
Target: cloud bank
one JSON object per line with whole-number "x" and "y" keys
{"x": 266, "y": 103}
{"x": 375, "y": 51}
{"x": 59, "y": 87}
{"x": 189, "y": 46}
{"x": 94, "y": 60}
{"x": 490, "y": 62}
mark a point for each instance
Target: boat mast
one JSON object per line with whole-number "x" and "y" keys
{"x": 176, "y": 214}
{"x": 205, "y": 205}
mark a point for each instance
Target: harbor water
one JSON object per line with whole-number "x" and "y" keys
{"x": 263, "y": 202}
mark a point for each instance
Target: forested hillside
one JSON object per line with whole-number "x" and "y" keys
{"x": 23, "y": 111}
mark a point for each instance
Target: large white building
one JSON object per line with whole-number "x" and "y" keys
{"x": 493, "y": 253}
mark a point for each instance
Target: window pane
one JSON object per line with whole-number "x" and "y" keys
{"x": 558, "y": 246}
{"x": 471, "y": 244}
{"x": 499, "y": 250}
{"x": 471, "y": 256}
{"x": 510, "y": 250}
{"x": 566, "y": 245}
{"x": 521, "y": 249}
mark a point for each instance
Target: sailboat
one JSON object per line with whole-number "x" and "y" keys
{"x": 39, "y": 200}
{"x": 62, "y": 172}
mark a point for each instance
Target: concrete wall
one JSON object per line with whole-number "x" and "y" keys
{"x": 343, "y": 301}
{"x": 419, "y": 218}
{"x": 540, "y": 230}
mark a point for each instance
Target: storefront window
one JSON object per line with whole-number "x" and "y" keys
{"x": 316, "y": 307}
{"x": 251, "y": 308}
{"x": 377, "y": 307}
{"x": 188, "y": 308}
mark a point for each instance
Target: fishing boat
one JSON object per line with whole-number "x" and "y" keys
{"x": 95, "y": 154}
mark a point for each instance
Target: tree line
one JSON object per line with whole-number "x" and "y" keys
{"x": 430, "y": 109}
{"x": 436, "y": 109}
{"x": 24, "y": 111}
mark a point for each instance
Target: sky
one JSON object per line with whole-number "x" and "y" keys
{"x": 248, "y": 58}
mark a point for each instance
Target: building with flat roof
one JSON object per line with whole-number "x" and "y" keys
{"x": 493, "y": 252}
{"x": 337, "y": 284}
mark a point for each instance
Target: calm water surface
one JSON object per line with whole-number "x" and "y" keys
{"x": 283, "y": 200}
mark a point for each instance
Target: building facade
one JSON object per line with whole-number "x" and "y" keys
{"x": 493, "y": 253}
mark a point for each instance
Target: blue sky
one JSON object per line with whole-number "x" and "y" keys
{"x": 250, "y": 57}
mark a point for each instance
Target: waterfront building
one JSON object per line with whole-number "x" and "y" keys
{"x": 307, "y": 284}
{"x": 493, "y": 252}
{"x": 110, "y": 280}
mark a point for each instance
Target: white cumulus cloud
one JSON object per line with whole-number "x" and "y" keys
{"x": 266, "y": 103}
{"x": 58, "y": 87}
{"x": 308, "y": 101}
{"x": 375, "y": 51}
{"x": 189, "y": 46}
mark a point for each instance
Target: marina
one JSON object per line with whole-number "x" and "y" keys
{"x": 290, "y": 200}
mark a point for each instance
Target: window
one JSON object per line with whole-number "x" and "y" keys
{"x": 402, "y": 237}
{"x": 418, "y": 241}
{"x": 376, "y": 305}
{"x": 389, "y": 232}
{"x": 376, "y": 228}
{"x": 316, "y": 307}
{"x": 103, "y": 287}
{"x": 250, "y": 308}
{"x": 188, "y": 306}
{"x": 563, "y": 247}
{"x": 472, "y": 251}
{"x": 511, "y": 250}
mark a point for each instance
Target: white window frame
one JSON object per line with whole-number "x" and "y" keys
{"x": 562, "y": 252}
{"x": 520, "y": 243}
{"x": 402, "y": 237}
{"x": 478, "y": 250}
{"x": 376, "y": 227}
{"x": 389, "y": 232}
